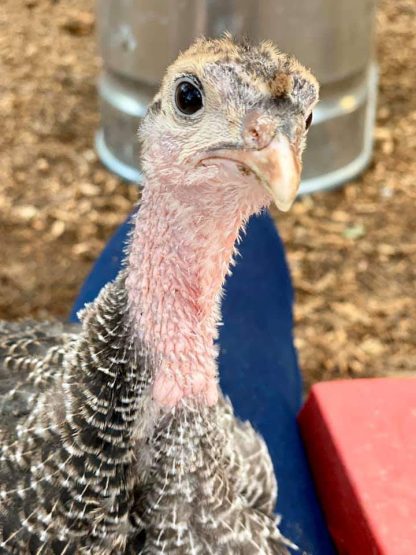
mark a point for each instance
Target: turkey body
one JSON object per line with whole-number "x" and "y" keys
{"x": 114, "y": 437}
{"x": 88, "y": 464}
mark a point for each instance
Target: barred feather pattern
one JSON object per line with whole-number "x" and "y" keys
{"x": 66, "y": 468}
{"x": 210, "y": 489}
{"x": 88, "y": 464}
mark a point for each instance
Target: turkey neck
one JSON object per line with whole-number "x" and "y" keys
{"x": 181, "y": 250}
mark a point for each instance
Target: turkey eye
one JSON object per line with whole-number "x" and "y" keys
{"x": 188, "y": 98}
{"x": 308, "y": 121}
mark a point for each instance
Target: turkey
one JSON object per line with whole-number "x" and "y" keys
{"x": 115, "y": 437}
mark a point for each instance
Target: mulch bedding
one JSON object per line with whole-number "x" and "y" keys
{"x": 352, "y": 251}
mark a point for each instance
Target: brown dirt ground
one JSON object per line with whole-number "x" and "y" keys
{"x": 352, "y": 251}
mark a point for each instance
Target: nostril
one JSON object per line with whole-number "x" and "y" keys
{"x": 254, "y": 133}
{"x": 258, "y": 129}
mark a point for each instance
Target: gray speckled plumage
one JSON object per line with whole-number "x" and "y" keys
{"x": 87, "y": 466}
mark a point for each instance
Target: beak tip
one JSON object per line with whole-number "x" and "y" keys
{"x": 284, "y": 194}
{"x": 284, "y": 206}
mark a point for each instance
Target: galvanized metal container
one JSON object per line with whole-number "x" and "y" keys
{"x": 139, "y": 38}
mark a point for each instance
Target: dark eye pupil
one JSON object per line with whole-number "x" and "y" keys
{"x": 188, "y": 98}
{"x": 308, "y": 121}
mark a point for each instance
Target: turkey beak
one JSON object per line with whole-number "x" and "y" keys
{"x": 276, "y": 165}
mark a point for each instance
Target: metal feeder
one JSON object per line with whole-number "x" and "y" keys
{"x": 139, "y": 38}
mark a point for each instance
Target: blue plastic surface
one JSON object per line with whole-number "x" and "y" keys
{"x": 258, "y": 366}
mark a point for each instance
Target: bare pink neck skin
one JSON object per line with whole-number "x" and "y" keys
{"x": 181, "y": 250}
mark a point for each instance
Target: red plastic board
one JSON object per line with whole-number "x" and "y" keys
{"x": 360, "y": 436}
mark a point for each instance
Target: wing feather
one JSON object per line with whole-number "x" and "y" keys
{"x": 31, "y": 355}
